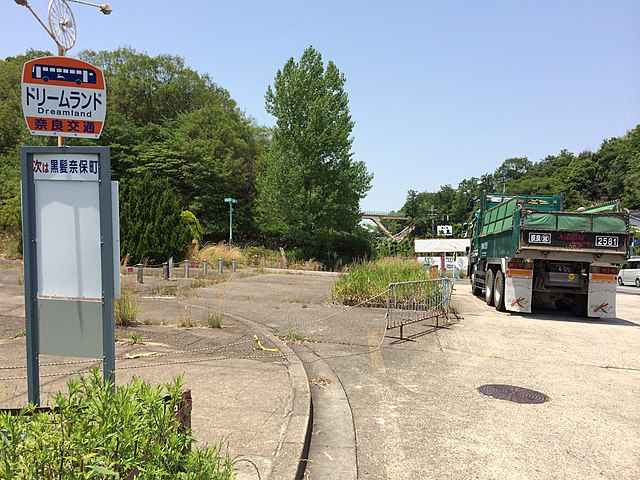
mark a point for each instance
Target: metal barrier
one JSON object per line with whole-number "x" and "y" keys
{"x": 417, "y": 301}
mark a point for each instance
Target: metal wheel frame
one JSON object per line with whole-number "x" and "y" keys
{"x": 62, "y": 24}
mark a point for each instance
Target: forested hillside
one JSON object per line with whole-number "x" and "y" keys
{"x": 180, "y": 145}
{"x": 611, "y": 173}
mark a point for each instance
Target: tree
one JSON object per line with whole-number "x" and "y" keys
{"x": 309, "y": 185}
{"x": 152, "y": 227}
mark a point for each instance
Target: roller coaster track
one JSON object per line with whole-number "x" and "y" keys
{"x": 377, "y": 217}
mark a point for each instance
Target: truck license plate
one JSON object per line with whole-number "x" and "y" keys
{"x": 602, "y": 241}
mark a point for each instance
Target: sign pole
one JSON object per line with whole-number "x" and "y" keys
{"x": 30, "y": 280}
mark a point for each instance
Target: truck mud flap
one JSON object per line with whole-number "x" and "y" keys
{"x": 518, "y": 290}
{"x": 601, "y": 299}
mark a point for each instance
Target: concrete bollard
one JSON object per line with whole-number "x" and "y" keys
{"x": 204, "y": 267}
{"x": 219, "y": 265}
{"x": 186, "y": 269}
{"x": 165, "y": 270}
{"x": 233, "y": 265}
{"x": 139, "y": 273}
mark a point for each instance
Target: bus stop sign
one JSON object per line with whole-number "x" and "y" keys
{"x": 63, "y": 97}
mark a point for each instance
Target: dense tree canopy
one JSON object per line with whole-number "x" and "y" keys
{"x": 611, "y": 173}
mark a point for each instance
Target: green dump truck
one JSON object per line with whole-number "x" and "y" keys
{"x": 526, "y": 251}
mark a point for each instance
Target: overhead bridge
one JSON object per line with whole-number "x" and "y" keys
{"x": 378, "y": 217}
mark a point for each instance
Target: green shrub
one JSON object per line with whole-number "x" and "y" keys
{"x": 94, "y": 433}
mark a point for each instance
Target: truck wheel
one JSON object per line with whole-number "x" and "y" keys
{"x": 488, "y": 288}
{"x": 562, "y": 305}
{"x": 498, "y": 292}
{"x": 580, "y": 307}
{"x": 474, "y": 288}
{"x": 637, "y": 282}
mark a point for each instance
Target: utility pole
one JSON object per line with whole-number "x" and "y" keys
{"x": 433, "y": 221}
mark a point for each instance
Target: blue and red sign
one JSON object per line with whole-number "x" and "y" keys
{"x": 63, "y": 97}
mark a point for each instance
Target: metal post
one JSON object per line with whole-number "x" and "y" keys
{"x": 170, "y": 271}
{"x": 219, "y": 265}
{"x": 233, "y": 265}
{"x": 30, "y": 253}
{"x": 186, "y": 269}
{"x": 204, "y": 267}
{"x": 230, "y": 201}
{"x": 230, "y": 225}
{"x": 139, "y": 273}
{"x": 165, "y": 270}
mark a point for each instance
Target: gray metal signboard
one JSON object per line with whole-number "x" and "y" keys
{"x": 71, "y": 255}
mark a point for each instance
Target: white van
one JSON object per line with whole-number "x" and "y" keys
{"x": 629, "y": 274}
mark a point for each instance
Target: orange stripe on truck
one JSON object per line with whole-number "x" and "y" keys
{"x": 602, "y": 277}
{"x": 519, "y": 272}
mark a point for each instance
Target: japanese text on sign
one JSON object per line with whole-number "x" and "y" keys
{"x": 67, "y": 167}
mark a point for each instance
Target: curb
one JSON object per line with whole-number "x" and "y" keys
{"x": 295, "y": 436}
{"x": 333, "y": 448}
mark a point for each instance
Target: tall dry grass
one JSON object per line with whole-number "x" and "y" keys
{"x": 213, "y": 251}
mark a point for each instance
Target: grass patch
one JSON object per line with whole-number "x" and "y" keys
{"x": 125, "y": 311}
{"x": 364, "y": 281}
{"x": 163, "y": 291}
{"x": 19, "y": 334}
{"x": 293, "y": 336}
{"x": 213, "y": 321}
{"x": 188, "y": 323}
{"x": 136, "y": 338}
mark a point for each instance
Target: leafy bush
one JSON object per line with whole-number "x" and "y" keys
{"x": 93, "y": 433}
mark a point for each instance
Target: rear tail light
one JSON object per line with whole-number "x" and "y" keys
{"x": 604, "y": 270}
{"x": 516, "y": 264}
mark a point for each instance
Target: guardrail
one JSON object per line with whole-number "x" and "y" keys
{"x": 418, "y": 301}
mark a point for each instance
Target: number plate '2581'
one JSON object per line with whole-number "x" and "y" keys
{"x": 602, "y": 241}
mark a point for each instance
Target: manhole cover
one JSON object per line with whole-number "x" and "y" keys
{"x": 513, "y": 394}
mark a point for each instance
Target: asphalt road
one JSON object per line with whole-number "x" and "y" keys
{"x": 416, "y": 409}
{"x": 418, "y": 414}
{"x": 628, "y": 290}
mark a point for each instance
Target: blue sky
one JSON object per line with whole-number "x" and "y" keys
{"x": 439, "y": 90}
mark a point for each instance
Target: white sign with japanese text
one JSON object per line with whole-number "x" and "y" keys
{"x": 51, "y": 166}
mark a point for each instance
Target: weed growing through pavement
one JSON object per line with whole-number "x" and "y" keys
{"x": 188, "y": 322}
{"x": 19, "y": 334}
{"x": 136, "y": 338}
{"x": 292, "y": 336}
{"x": 163, "y": 291}
{"x": 125, "y": 309}
{"x": 213, "y": 320}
